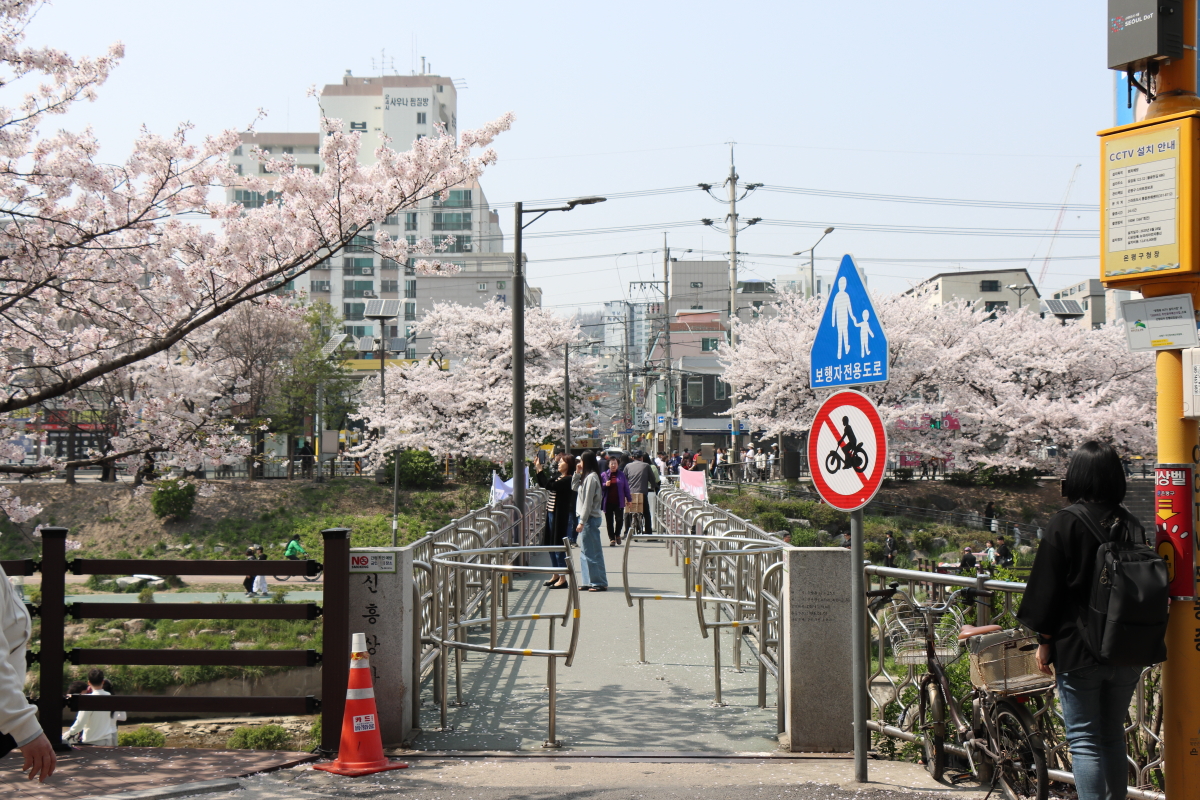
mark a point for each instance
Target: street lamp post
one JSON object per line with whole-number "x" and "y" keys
{"x": 518, "y": 338}
{"x": 812, "y": 267}
{"x": 379, "y": 311}
{"x": 1020, "y": 290}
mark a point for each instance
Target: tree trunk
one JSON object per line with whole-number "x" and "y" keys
{"x": 70, "y": 476}
{"x": 290, "y": 451}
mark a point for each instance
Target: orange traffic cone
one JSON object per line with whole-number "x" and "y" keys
{"x": 361, "y": 750}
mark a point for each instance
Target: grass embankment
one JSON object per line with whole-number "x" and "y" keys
{"x": 775, "y": 515}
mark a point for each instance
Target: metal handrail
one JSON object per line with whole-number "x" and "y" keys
{"x": 1141, "y": 734}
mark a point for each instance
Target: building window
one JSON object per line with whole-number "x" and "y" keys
{"x": 360, "y": 244}
{"x": 708, "y": 345}
{"x": 358, "y": 289}
{"x": 458, "y": 221}
{"x": 697, "y": 284}
{"x": 358, "y": 266}
{"x": 410, "y": 290}
{"x": 237, "y": 168}
{"x": 410, "y": 267}
{"x": 410, "y": 239}
{"x": 410, "y": 312}
{"x": 353, "y": 312}
{"x": 320, "y": 286}
{"x": 457, "y": 198}
{"x": 501, "y": 284}
{"x": 391, "y": 219}
{"x": 358, "y": 126}
{"x": 995, "y": 305}
{"x": 253, "y": 199}
{"x": 695, "y": 391}
{"x": 357, "y": 331}
{"x": 287, "y": 150}
{"x": 989, "y": 286}
{"x": 237, "y": 151}
{"x": 1085, "y": 308}
{"x": 722, "y": 390}
{"x": 389, "y": 263}
{"x": 410, "y": 220}
{"x": 482, "y": 287}
{"x": 462, "y": 244}
{"x": 421, "y": 118}
{"x": 389, "y": 286}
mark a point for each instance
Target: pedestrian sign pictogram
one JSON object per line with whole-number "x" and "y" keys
{"x": 850, "y": 347}
{"x": 847, "y": 450}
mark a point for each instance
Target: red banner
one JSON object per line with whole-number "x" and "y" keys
{"x": 1174, "y": 524}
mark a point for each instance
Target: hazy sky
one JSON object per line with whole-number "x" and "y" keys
{"x": 978, "y": 101}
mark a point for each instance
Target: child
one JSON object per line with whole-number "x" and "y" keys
{"x": 864, "y": 333}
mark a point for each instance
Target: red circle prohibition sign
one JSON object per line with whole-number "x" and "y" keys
{"x": 847, "y": 450}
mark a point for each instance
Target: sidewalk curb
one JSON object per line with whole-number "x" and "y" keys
{"x": 178, "y": 790}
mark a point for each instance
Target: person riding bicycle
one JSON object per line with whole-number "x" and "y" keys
{"x": 294, "y": 549}
{"x": 851, "y": 444}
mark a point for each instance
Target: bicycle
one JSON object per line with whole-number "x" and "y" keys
{"x": 1001, "y": 739}
{"x": 309, "y": 578}
{"x": 856, "y": 460}
{"x": 635, "y": 522}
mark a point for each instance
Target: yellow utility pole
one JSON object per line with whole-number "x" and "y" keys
{"x": 1171, "y": 128}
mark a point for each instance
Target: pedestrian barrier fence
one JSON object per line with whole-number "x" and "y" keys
{"x": 493, "y": 568}
{"x": 53, "y": 610}
{"x": 732, "y": 566}
{"x": 489, "y": 527}
{"x": 894, "y": 676}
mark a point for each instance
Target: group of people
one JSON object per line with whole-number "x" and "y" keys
{"x": 996, "y": 553}
{"x": 585, "y": 491}
{"x": 755, "y": 463}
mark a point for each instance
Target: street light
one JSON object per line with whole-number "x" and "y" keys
{"x": 378, "y": 311}
{"x": 812, "y": 274}
{"x": 1020, "y": 289}
{"x": 518, "y": 338}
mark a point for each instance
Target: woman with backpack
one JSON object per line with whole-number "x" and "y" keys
{"x": 1097, "y": 659}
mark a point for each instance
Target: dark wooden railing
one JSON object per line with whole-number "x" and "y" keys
{"x": 51, "y": 655}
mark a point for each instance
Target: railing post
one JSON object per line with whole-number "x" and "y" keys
{"x": 335, "y": 661}
{"x": 50, "y": 654}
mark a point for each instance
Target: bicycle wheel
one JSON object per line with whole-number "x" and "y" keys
{"x": 933, "y": 740}
{"x": 1022, "y": 768}
{"x": 833, "y": 462}
{"x": 635, "y": 525}
{"x": 281, "y": 577}
{"x": 316, "y": 577}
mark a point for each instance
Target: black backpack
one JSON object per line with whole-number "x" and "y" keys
{"x": 1125, "y": 622}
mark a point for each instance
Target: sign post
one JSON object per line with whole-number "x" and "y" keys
{"x": 847, "y": 447}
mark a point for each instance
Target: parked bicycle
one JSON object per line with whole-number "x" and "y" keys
{"x": 1000, "y": 736}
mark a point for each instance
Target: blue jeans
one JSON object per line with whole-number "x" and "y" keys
{"x": 1094, "y": 701}
{"x": 592, "y": 560}
{"x": 557, "y": 560}
{"x": 572, "y": 524}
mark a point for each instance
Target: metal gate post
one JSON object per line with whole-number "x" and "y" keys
{"x": 335, "y": 620}
{"x": 50, "y": 655}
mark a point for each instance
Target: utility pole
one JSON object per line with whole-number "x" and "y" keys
{"x": 732, "y": 221}
{"x": 670, "y": 374}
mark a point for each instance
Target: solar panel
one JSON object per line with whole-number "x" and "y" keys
{"x": 333, "y": 344}
{"x": 382, "y": 309}
{"x": 365, "y": 344}
{"x": 1056, "y": 306}
{"x": 1064, "y": 308}
{"x": 1073, "y": 307}
{"x": 398, "y": 345}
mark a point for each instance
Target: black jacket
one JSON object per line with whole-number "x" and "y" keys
{"x": 1060, "y": 586}
{"x": 564, "y": 504}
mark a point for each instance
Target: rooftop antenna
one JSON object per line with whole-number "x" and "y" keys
{"x": 384, "y": 63}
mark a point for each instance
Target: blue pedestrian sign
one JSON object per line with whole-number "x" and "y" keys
{"x": 850, "y": 348}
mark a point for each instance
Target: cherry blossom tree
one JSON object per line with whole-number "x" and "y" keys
{"x": 104, "y": 267}
{"x": 466, "y": 408}
{"x": 1015, "y": 382}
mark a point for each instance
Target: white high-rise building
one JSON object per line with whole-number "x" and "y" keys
{"x": 403, "y": 108}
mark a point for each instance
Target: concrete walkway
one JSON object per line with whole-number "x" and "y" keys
{"x": 607, "y": 701}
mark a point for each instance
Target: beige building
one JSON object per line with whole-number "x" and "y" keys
{"x": 993, "y": 289}
{"x": 404, "y": 108}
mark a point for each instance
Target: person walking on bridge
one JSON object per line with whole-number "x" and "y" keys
{"x": 587, "y": 507}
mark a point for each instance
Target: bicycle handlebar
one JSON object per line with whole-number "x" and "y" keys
{"x": 970, "y": 591}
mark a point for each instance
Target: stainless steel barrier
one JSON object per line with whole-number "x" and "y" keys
{"x": 730, "y": 564}
{"x": 893, "y": 687}
{"x": 489, "y": 526}
{"x": 456, "y": 613}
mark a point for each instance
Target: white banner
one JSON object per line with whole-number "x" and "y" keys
{"x": 695, "y": 483}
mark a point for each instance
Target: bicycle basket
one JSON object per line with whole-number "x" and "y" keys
{"x": 1005, "y": 662}
{"x": 907, "y": 632}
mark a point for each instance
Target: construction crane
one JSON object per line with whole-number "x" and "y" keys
{"x": 1062, "y": 212}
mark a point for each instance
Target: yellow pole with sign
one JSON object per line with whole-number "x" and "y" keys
{"x": 1172, "y": 130}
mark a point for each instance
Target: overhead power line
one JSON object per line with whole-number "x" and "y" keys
{"x": 934, "y": 230}
{"x": 940, "y": 201}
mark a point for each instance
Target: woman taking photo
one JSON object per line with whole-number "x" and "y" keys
{"x": 557, "y": 511}
{"x": 587, "y": 507}
{"x": 1094, "y": 693}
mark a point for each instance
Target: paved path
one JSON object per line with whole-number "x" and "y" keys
{"x": 610, "y": 779}
{"x": 192, "y": 597}
{"x": 606, "y": 700}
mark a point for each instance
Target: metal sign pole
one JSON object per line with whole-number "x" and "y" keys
{"x": 858, "y": 658}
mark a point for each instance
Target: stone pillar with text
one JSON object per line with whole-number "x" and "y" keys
{"x": 381, "y": 606}
{"x": 817, "y": 671}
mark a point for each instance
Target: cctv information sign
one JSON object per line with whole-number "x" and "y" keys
{"x": 1148, "y": 181}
